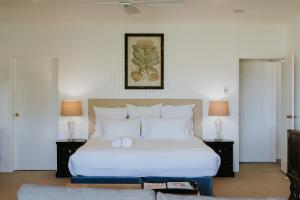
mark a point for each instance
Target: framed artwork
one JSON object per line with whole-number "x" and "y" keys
{"x": 144, "y": 61}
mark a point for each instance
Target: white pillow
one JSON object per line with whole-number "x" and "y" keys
{"x": 143, "y": 111}
{"x": 116, "y": 128}
{"x": 110, "y": 113}
{"x": 177, "y": 111}
{"x": 180, "y": 111}
{"x": 166, "y": 128}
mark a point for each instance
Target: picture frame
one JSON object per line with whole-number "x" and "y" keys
{"x": 144, "y": 61}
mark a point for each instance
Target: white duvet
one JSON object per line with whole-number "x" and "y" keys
{"x": 147, "y": 157}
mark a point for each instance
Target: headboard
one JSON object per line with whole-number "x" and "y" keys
{"x": 145, "y": 102}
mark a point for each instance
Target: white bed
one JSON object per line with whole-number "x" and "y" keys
{"x": 147, "y": 157}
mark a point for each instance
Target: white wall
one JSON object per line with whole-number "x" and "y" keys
{"x": 200, "y": 60}
{"x": 293, "y": 32}
{"x": 293, "y": 47}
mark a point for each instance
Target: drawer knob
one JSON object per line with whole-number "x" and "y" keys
{"x": 70, "y": 151}
{"x": 220, "y": 151}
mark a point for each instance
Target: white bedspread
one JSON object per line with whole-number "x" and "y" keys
{"x": 147, "y": 157}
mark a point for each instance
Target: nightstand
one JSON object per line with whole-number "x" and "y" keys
{"x": 65, "y": 149}
{"x": 224, "y": 148}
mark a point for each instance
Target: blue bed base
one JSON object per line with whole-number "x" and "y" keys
{"x": 205, "y": 184}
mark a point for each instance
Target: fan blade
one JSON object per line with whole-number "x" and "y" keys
{"x": 130, "y": 10}
{"x": 97, "y": 3}
{"x": 157, "y": 2}
{"x": 108, "y": 3}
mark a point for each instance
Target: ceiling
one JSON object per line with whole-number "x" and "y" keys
{"x": 190, "y": 11}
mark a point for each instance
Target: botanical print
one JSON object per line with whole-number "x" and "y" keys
{"x": 145, "y": 58}
{"x": 144, "y": 61}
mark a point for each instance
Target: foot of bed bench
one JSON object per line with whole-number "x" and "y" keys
{"x": 205, "y": 184}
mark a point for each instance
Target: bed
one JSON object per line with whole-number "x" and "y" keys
{"x": 152, "y": 160}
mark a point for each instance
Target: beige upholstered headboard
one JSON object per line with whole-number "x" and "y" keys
{"x": 146, "y": 102}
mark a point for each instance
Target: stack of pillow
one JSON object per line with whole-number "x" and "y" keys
{"x": 150, "y": 122}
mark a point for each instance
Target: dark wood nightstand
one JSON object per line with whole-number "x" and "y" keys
{"x": 65, "y": 149}
{"x": 224, "y": 148}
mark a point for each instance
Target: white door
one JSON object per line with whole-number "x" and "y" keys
{"x": 35, "y": 107}
{"x": 257, "y": 111}
{"x": 287, "y": 105}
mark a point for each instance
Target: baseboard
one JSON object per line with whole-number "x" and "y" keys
{"x": 6, "y": 171}
{"x": 278, "y": 161}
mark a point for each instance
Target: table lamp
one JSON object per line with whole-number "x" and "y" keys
{"x": 218, "y": 108}
{"x": 71, "y": 108}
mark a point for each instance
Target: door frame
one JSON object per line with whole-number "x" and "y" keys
{"x": 13, "y": 66}
{"x": 284, "y": 137}
{"x": 278, "y": 59}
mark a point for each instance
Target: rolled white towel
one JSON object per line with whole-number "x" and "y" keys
{"x": 127, "y": 142}
{"x": 116, "y": 143}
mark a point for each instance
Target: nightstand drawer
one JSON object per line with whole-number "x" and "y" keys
{"x": 64, "y": 150}
{"x": 65, "y": 153}
{"x": 225, "y": 150}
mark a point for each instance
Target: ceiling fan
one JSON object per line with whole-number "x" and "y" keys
{"x": 130, "y": 5}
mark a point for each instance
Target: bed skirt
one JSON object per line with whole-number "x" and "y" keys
{"x": 205, "y": 184}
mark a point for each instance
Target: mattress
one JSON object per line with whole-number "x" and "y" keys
{"x": 147, "y": 157}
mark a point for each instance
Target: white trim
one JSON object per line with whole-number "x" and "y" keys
{"x": 12, "y": 63}
{"x": 293, "y": 89}
{"x": 278, "y": 111}
{"x": 274, "y": 135}
{"x": 57, "y": 63}
{"x": 236, "y": 146}
{"x": 59, "y": 95}
{"x": 13, "y": 106}
{"x": 283, "y": 116}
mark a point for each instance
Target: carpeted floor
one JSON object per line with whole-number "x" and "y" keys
{"x": 253, "y": 180}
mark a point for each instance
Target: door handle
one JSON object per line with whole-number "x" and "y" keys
{"x": 17, "y": 114}
{"x": 291, "y": 116}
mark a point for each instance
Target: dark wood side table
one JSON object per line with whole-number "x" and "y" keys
{"x": 224, "y": 148}
{"x": 65, "y": 149}
{"x": 293, "y": 168}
